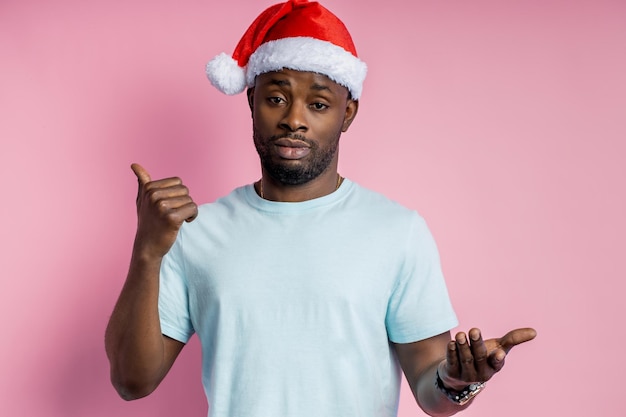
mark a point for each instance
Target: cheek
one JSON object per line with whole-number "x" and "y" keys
{"x": 263, "y": 118}
{"x": 331, "y": 127}
{"x": 258, "y": 123}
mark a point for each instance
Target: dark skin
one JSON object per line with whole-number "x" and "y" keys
{"x": 297, "y": 116}
{"x": 304, "y": 104}
{"x": 460, "y": 363}
{"x": 139, "y": 354}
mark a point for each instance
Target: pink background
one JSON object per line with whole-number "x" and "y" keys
{"x": 502, "y": 122}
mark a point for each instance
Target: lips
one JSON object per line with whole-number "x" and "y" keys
{"x": 288, "y": 148}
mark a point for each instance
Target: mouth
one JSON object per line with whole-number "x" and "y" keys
{"x": 289, "y": 148}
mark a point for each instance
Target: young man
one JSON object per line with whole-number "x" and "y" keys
{"x": 310, "y": 294}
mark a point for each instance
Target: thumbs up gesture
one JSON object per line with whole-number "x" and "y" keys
{"x": 162, "y": 207}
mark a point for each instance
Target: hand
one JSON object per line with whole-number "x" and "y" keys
{"x": 477, "y": 360}
{"x": 162, "y": 207}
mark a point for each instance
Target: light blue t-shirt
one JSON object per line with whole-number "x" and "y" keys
{"x": 295, "y": 303}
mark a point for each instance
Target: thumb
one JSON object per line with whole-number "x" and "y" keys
{"x": 516, "y": 337}
{"x": 141, "y": 173}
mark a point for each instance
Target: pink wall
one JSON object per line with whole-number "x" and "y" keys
{"x": 503, "y": 123}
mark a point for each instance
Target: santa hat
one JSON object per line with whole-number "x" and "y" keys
{"x": 298, "y": 35}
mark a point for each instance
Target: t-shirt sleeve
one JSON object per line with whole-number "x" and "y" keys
{"x": 419, "y": 306}
{"x": 173, "y": 295}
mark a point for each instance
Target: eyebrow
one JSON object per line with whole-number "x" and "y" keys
{"x": 286, "y": 83}
{"x": 320, "y": 87}
{"x": 280, "y": 83}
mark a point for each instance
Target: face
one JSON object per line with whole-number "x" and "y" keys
{"x": 298, "y": 118}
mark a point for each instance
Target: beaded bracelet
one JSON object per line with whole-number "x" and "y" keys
{"x": 460, "y": 397}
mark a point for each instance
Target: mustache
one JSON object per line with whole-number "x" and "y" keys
{"x": 293, "y": 136}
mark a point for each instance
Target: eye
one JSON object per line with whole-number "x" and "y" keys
{"x": 276, "y": 100}
{"x": 319, "y": 106}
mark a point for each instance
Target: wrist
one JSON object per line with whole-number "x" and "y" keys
{"x": 458, "y": 395}
{"x": 450, "y": 383}
{"x": 143, "y": 258}
{"x": 146, "y": 251}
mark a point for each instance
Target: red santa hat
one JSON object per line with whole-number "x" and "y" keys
{"x": 298, "y": 35}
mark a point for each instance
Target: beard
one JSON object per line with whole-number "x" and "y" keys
{"x": 301, "y": 172}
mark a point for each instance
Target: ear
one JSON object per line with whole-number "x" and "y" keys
{"x": 250, "y": 93}
{"x": 352, "y": 107}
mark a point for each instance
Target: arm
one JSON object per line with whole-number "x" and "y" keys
{"x": 139, "y": 355}
{"x": 419, "y": 361}
{"x": 459, "y": 362}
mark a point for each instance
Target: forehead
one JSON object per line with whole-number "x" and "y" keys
{"x": 304, "y": 79}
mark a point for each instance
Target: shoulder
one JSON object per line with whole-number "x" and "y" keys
{"x": 234, "y": 200}
{"x": 376, "y": 203}
{"x": 217, "y": 214}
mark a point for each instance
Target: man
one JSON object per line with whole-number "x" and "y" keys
{"x": 310, "y": 294}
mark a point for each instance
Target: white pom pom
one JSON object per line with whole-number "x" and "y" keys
{"x": 226, "y": 75}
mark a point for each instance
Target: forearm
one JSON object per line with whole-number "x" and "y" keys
{"x": 430, "y": 398}
{"x": 133, "y": 340}
{"x": 462, "y": 363}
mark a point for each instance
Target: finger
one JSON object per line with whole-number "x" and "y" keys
{"x": 165, "y": 183}
{"x": 141, "y": 173}
{"x": 159, "y": 191}
{"x": 466, "y": 359}
{"x": 479, "y": 352}
{"x": 168, "y": 198}
{"x": 496, "y": 359}
{"x": 452, "y": 360}
{"x": 516, "y": 337}
{"x": 192, "y": 211}
{"x": 170, "y": 204}
{"x": 178, "y": 208}
{"x": 185, "y": 213}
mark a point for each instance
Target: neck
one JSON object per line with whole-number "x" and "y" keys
{"x": 272, "y": 190}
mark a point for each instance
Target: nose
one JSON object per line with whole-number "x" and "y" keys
{"x": 294, "y": 118}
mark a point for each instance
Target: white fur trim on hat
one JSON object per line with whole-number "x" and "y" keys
{"x": 226, "y": 75}
{"x": 311, "y": 55}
